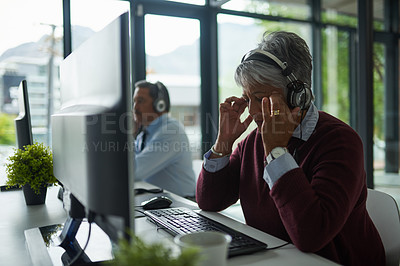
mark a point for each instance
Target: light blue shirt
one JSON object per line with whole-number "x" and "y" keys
{"x": 166, "y": 160}
{"x": 278, "y": 167}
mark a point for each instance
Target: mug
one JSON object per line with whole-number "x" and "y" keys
{"x": 212, "y": 245}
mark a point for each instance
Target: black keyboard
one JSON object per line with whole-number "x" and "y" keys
{"x": 178, "y": 221}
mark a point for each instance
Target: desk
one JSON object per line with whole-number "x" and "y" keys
{"x": 17, "y": 217}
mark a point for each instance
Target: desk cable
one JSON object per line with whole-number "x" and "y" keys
{"x": 280, "y": 246}
{"x": 142, "y": 212}
{"x": 159, "y": 226}
{"x": 86, "y": 244}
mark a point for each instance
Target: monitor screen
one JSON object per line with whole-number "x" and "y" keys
{"x": 92, "y": 138}
{"x": 23, "y": 125}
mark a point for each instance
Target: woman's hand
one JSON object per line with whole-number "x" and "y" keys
{"x": 279, "y": 122}
{"x": 230, "y": 126}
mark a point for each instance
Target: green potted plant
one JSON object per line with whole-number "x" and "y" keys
{"x": 32, "y": 169}
{"x": 137, "y": 252}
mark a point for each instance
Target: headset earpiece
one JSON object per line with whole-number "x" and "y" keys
{"x": 298, "y": 95}
{"x": 159, "y": 104}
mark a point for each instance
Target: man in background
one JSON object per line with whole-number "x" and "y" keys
{"x": 162, "y": 151}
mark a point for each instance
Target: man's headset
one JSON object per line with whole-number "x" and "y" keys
{"x": 160, "y": 103}
{"x": 299, "y": 95}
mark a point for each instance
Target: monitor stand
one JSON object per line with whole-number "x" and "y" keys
{"x": 42, "y": 243}
{"x": 68, "y": 242}
{"x": 58, "y": 244}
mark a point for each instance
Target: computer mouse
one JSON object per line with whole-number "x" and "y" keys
{"x": 159, "y": 202}
{"x": 139, "y": 191}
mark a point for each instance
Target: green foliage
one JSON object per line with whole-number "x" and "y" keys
{"x": 33, "y": 165}
{"x": 379, "y": 90}
{"x": 336, "y": 89}
{"x": 137, "y": 252}
{"x": 270, "y": 8}
{"x": 7, "y": 129}
{"x": 338, "y": 19}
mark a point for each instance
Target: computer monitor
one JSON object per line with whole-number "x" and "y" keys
{"x": 92, "y": 133}
{"x": 23, "y": 127}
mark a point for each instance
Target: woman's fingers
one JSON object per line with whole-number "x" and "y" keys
{"x": 235, "y": 104}
{"x": 266, "y": 108}
{"x": 276, "y": 101}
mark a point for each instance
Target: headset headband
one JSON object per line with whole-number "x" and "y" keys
{"x": 267, "y": 57}
{"x": 298, "y": 95}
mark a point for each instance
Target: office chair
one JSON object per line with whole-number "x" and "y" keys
{"x": 384, "y": 212}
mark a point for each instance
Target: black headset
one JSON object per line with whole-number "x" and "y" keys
{"x": 299, "y": 95}
{"x": 160, "y": 104}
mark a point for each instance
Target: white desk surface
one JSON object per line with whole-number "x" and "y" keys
{"x": 16, "y": 217}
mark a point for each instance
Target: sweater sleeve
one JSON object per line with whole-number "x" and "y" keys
{"x": 315, "y": 206}
{"x": 217, "y": 191}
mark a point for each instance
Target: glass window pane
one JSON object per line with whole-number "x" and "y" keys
{"x": 335, "y": 73}
{"x": 339, "y": 12}
{"x": 379, "y": 110}
{"x": 245, "y": 34}
{"x": 173, "y": 57}
{"x": 345, "y": 13}
{"x": 90, "y": 16}
{"x": 30, "y": 46}
{"x": 379, "y": 14}
{"x": 289, "y": 9}
{"x": 386, "y": 144}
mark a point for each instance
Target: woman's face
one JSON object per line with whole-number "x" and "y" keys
{"x": 254, "y": 95}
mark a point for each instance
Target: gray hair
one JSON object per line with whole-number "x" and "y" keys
{"x": 286, "y": 46}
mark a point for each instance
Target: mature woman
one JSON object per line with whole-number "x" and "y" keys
{"x": 300, "y": 175}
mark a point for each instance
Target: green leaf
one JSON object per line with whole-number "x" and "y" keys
{"x": 136, "y": 252}
{"x": 33, "y": 165}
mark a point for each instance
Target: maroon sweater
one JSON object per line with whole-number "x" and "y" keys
{"x": 320, "y": 207}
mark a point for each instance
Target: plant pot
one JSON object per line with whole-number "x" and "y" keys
{"x": 31, "y": 198}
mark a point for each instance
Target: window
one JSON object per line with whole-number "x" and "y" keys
{"x": 379, "y": 107}
{"x": 31, "y": 45}
{"x": 379, "y": 14}
{"x": 289, "y": 9}
{"x": 386, "y": 144}
{"x": 173, "y": 57}
{"x": 335, "y": 73}
{"x": 340, "y": 13}
{"x": 345, "y": 13}
{"x": 90, "y": 16}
